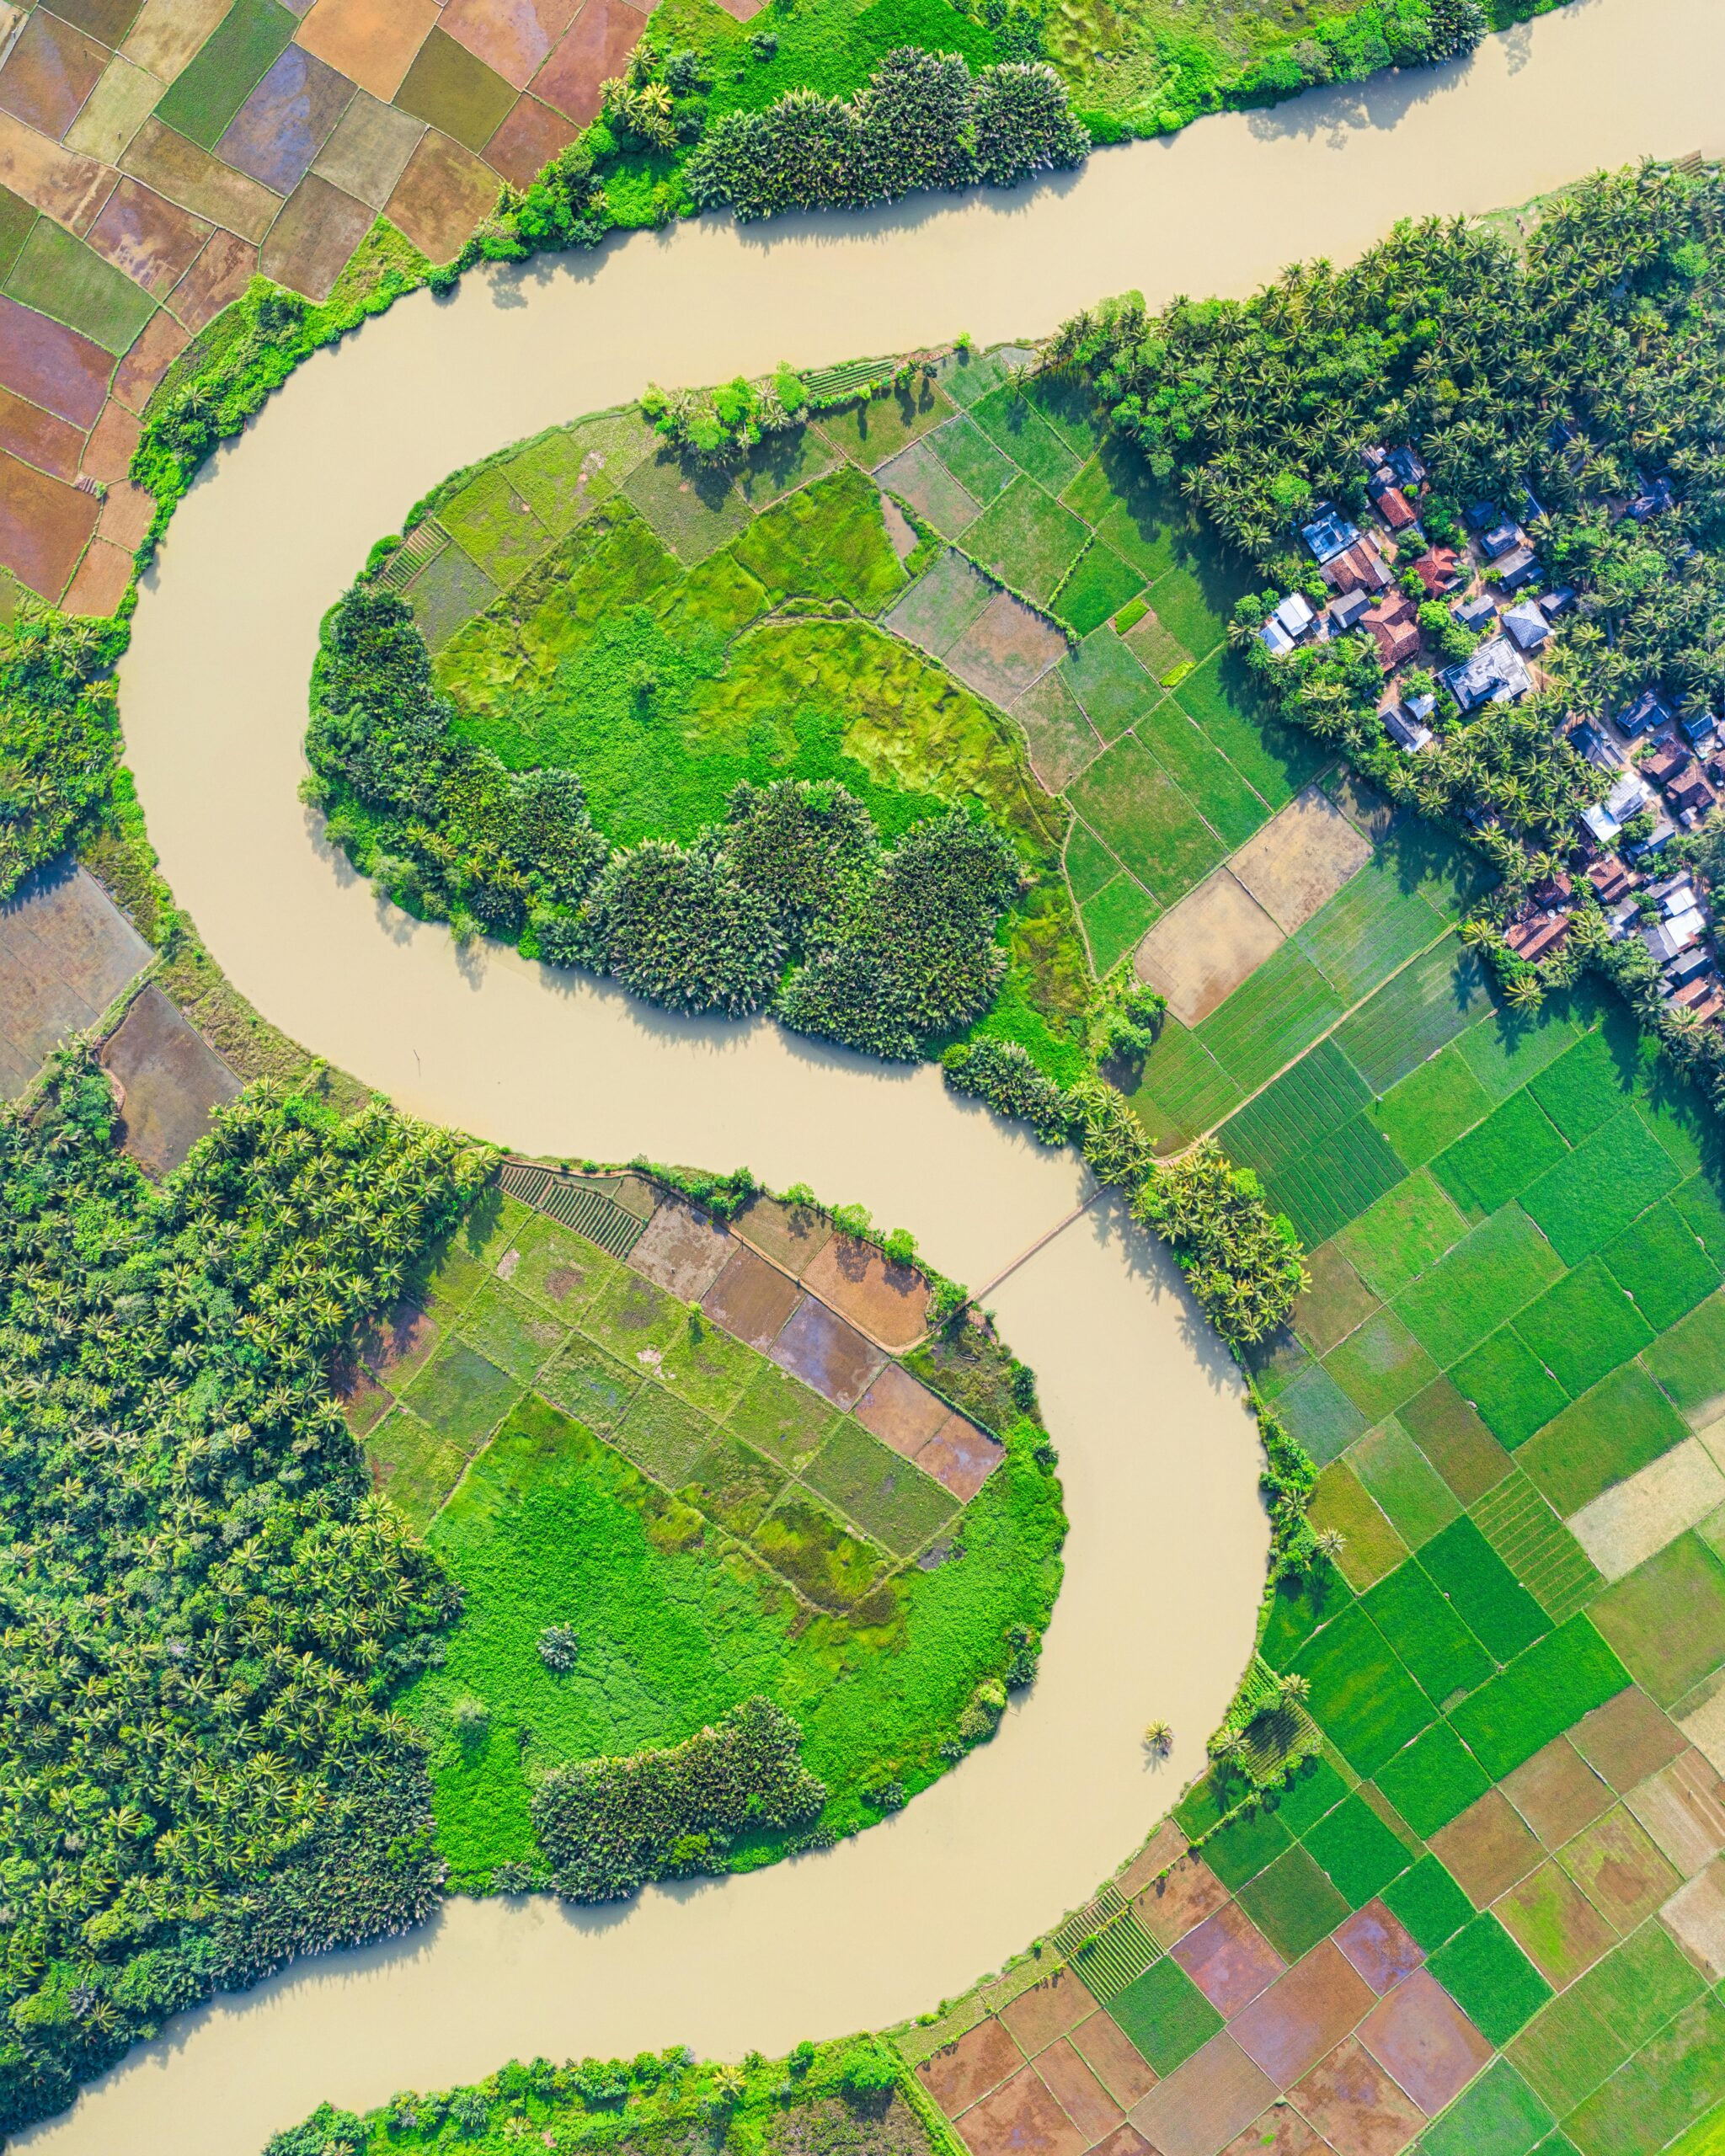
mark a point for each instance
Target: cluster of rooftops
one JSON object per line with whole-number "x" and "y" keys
{"x": 1669, "y": 771}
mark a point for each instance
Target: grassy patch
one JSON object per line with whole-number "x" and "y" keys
{"x": 1414, "y": 1497}
{"x": 1165, "y": 2014}
{"x": 1015, "y": 427}
{"x": 1115, "y": 919}
{"x": 1687, "y": 1362}
{"x": 1281, "y": 1009}
{"x": 1559, "y": 1678}
{"x": 1320, "y": 1414}
{"x": 1500, "y": 1158}
{"x": 1499, "y": 2116}
{"x": 61, "y": 277}
{"x": 1097, "y": 587}
{"x": 1439, "y": 995}
{"x": 1593, "y": 1195}
{"x": 1663, "y": 1265}
{"x": 1361, "y": 1697}
{"x": 1230, "y": 806}
{"x": 1624, "y": 1423}
{"x": 1513, "y": 1389}
{"x": 225, "y": 69}
{"x": 1587, "y": 1086}
{"x": 1372, "y": 1546}
{"x": 1490, "y": 1978}
{"x": 783, "y": 1416}
{"x": 461, "y": 1395}
{"x": 1357, "y": 1851}
{"x": 1423, "y": 1627}
{"x": 1434, "y": 1781}
{"x": 978, "y": 465}
{"x": 1026, "y": 539}
{"x": 1113, "y": 689}
{"x": 1584, "y": 1327}
{"x": 1427, "y": 1901}
{"x": 1182, "y": 1089}
{"x": 1293, "y": 1904}
{"x": 1372, "y": 926}
{"x": 890, "y": 1498}
{"x": 1489, "y": 1276}
{"x": 1380, "y": 1365}
{"x": 1130, "y": 801}
{"x": 1318, "y": 1095}
{"x": 1430, "y": 1107}
{"x": 1338, "y": 1178}
{"x": 1482, "y": 1590}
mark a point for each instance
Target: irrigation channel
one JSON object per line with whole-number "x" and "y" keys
{"x": 1164, "y": 1562}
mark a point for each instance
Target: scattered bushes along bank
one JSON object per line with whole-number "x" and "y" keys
{"x": 792, "y": 904}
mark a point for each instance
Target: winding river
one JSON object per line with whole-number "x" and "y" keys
{"x": 1165, "y": 1558}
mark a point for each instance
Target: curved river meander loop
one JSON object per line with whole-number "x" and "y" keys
{"x": 1165, "y": 1558}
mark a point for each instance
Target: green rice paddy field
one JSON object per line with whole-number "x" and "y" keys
{"x": 1510, "y": 1368}
{"x": 581, "y": 1449}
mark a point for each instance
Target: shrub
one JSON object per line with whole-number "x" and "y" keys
{"x": 559, "y": 1648}
{"x": 1002, "y": 1074}
{"x": 675, "y": 924}
{"x": 1242, "y": 1261}
{"x": 610, "y": 1825}
{"x": 913, "y": 952}
{"x": 801, "y": 845}
{"x": 923, "y": 121}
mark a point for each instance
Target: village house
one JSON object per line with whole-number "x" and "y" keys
{"x": 1529, "y": 627}
{"x": 1649, "y": 709}
{"x": 1358, "y": 567}
{"x": 1329, "y": 534}
{"x": 1345, "y": 610}
{"x": 1478, "y": 613}
{"x": 1288, "y": 622}
{"x": 1519, "y": 566}
{"x": 1439, "y": 569}
{"x": 1495, "y": 674}
{"x": 1393, "y": 625}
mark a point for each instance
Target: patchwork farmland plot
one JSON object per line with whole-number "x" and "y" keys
{"x": 1489, "y": 1913}
{"x": 607, "y": 1429}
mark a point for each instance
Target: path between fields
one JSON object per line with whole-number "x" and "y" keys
{"x": 1159, "y": 1457}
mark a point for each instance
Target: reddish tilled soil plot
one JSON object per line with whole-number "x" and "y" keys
{"x": 66, "y": 953}
{"x": 153, "y": 240}
{"x": 1281, "y": 2131}
{"x": 888, "y": 1302}
{"x": 900, "y": 1412}
{"x": 44, "y": 525}
{"x": 514, "y": 37}
{"x": 51, "y": 366}
{"x": 1696, "y": 1915}
{"x": 38, "y": 437}
{"x": 1557, "y": 1793}
{"x": 172, "y": 1082}
{"x": 1683, "y": 1809}
{"x": 1488, "y": 1848}
{"x": 198, "y": 181}
{"x": 1378, "y": 1947}
{"x": 125, "y": 516}
{"x": 286, "y": 120}
{"x": 316, "y": 231}
{"x": 1426, "y": 2041}
{"x": 593, "y": 50}
{"x": 107, "y": 452}
{"x": 960, "y": 1456}
{"x": 1171, "y": 1906}
{"x": 102, "y": 577}
{"x": 49, "y": 74}
{"x": 1022, "y": 2119}
{"x": 1204, "y": 2104}
{"x": 980, "y": 2060}
{"x": 792, "y": 1235}
{"x": 530, "y": 137}
{"x": 1628, "y": 1739}
{"x": 1115, "y": 2059}
{"x": 818, "y": 1347}
{"x": 142, "y": 368}
{"x": 1077, "y": 2091}
{"x": 1303, "y": 2014}
{"x": 750, "y": 1299}
{"x": 1356, "y": 2106}
{"x": 70, "y": 187}
{"x": 1005, "y": 648}
{"x": 681, "y": 1251}
{"x": 1048, "y": 2010}
{"x": 372, "y": 42}
{"x": 1616, "y": 1866}
{"x": 1164, "y": 1847}
{"x": 443, "y": 194}
{"x": 220, "y": 273}
{"x": 1229, "y": 1959}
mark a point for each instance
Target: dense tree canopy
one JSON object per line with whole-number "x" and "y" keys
{"x": 202, "y": 1608}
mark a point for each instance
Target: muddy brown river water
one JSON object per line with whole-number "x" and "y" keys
{"x": 1165, "y": 1558}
